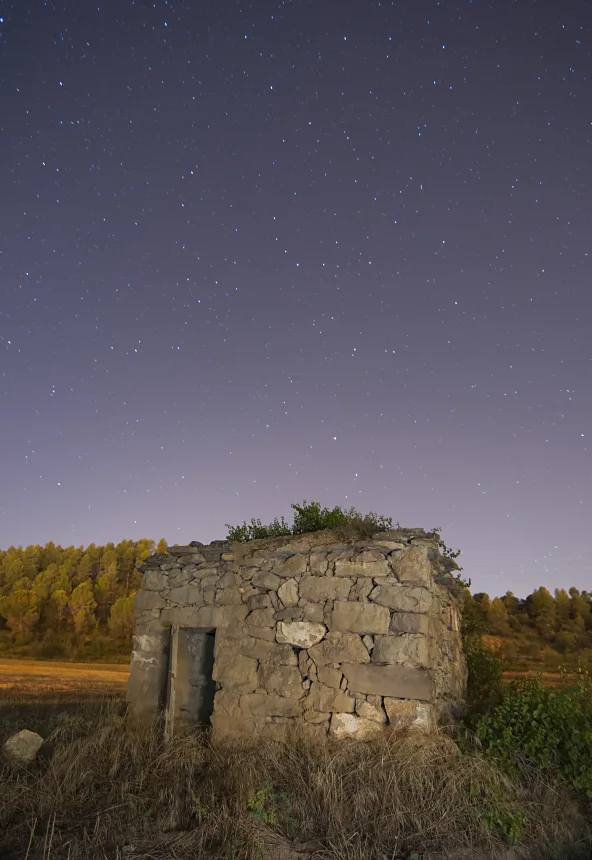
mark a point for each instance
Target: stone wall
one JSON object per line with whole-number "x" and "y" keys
{"x": 339, "y": 638}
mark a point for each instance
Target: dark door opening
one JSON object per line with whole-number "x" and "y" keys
{"x": 191, "y": 687}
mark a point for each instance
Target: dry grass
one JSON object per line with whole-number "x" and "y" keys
{"x": 104, "y": 789}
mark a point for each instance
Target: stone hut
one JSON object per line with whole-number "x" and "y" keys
{"x": 304, "y": 632}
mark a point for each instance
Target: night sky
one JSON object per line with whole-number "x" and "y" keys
{"x": 254, "y": 253}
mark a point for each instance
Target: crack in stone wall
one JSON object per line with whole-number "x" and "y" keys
{"x": 336, "y": 638}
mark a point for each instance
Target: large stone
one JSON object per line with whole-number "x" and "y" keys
{"x": 317, "y": 589}
{"x": 145, "y": 600}
{"x": 258, "y": 601}
{"x": 409, "y": 714}
{"x": 269, "y": 705}
{"x": 285, "y": 681}
{"x": 329, "y": 676}
{"x": 313, "y": 612}
{"x": 409, "y": 649}
{"x": 359, "y": 618}
{"x": 361, "y": 589}
{"x": 292, "y": 613}
{"x": 301, "y": 634}
{"x": 327, "y": 699}
{"x": 398, "y": 682}
{"x": 180, "y": 550}
{"x": 363, "y": 565}
{"x": 278, "y": 655}
{"x": 318, "y": 562}
{"x": 413, "y": 566}
{"x": 234, "y": 671}
{"x": 291, "y": 566}
{"x": 288, "y": 593}
{"x": 409, "y": 622}
{"x": 261, "y": 618}
{"x": 204, "y": 617}
{"x": 370, "y": 712}
{"x": 187, "y": 595}
{"x": 23, "y": 746}
{"x": 251, "y": 646}
{"x": 155, "y": 580}
{"x": 352, "y": 726}
{"x": 340, "y": 647}
{"x": 265, "y": 579}
{"x": 229, "y": 597}
{"x": 403, "y": 598}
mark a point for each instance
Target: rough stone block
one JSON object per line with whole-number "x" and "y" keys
{"x": 361, "y": 589}
{"x": 399, "y": 682}
{"x": 261, "y": 618}
{"x": 295, "y": 564}
{"x": 370, "y": 712}
{"x": 409, "y": 649}
{"x": 258, "y": 601}
{"x": 265, "y": 579}
{"x": 318, "y": 562}
{"x": 409, "y": 622}
{"x": 409, "y": 714}
{"x": 337, "y": 647}
{"x": 413, "y": 566}
{"x": 288, "y": 593}
{"x": 403, "y": 598}
{"x": 313, "y": 612}
{"x": 229, "y": 597}
{"x": 359, "y": 618}
{"x": 269, "y": 705}
{"x": 184, "y": 616}
{"x": 351, "y": 726}
{"x": 155, "y": 580}
{"x": 360, "y": 567}
{"x": 329, "y": 677}
{"x": 327, "y": 699}
{"x": 234, "y": 671}
{"x": 318, "y": 589}
{"x": 221, "y": 616}
{"x": 301, "y": 634}
{"x": 285, "y": 681}
{"x": 145, "y": 600}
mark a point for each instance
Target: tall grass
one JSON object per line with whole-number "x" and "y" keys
{"x": 108, "y": 789}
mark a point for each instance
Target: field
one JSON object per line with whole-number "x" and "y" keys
{"x": 106, "y": 789}
{"x": 49, "y": 682}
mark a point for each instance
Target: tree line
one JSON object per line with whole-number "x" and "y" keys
{"x": 70, "y": 601}
{"x": 549, "y": 629}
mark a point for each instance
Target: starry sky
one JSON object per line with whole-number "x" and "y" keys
{"x": 259, "y": 252}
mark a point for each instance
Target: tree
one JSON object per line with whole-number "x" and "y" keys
{"x": 541, "y": 608}
{"x": 59, "y": 600}
{"x": 121, "y": 617}
{"x": 21, "y": 610}
{"x": 497, "y": 618}
{"x": 161, "y": 546}
{"x": 82, "y": 605}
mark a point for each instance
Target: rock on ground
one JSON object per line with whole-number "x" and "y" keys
{"x": 23, "y": 747}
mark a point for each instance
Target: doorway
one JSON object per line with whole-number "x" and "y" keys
{"x": 190, "y": 688}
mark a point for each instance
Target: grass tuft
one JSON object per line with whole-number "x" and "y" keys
{"x": 107, "y": 789}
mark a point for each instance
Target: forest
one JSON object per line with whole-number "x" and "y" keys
{"x": 70, "y": 602}
{"x": 77, "y": 603}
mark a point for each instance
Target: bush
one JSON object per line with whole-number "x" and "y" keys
{"x": 311, "y": 517}
{"x": 550, "y": 728}
{"x": 485, "y": 666}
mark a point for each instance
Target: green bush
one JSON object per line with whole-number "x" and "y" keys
{"x": 485, "y": 666}
{"x": 311, "y": 517}
{"x": 538, "y": 725}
